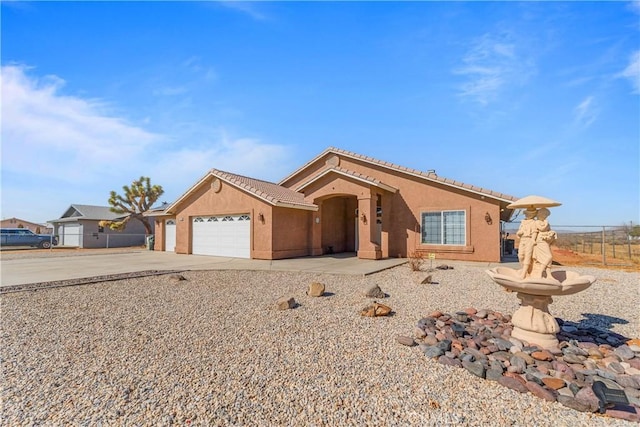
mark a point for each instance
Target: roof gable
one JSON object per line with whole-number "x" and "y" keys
{"x": 349, "y": 174}
{"x": 89, "y": 212}
{"x": 273, "y": 194}
{"x": 428, "y": 176}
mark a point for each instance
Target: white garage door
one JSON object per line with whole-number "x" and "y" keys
{"x": 70, "y": 235}
{"x": 226, "y": 235}
{"x": 170, "y": 235}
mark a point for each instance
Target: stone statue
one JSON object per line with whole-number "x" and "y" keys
{"x": 535, "y": 282}
{"x": 542, "y": 256}
{"x": 527, "y": 233}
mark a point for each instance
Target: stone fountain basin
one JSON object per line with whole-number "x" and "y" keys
{"x": 560, "y": 282}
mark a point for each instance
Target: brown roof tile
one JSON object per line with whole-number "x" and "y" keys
{"x": 415, "y": 172}
{"x": 273, "y": 193}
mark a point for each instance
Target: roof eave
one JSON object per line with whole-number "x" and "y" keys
{"x": 312, "y": 208}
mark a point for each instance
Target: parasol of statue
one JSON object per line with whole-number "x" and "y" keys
{"x": 533, "y": 202}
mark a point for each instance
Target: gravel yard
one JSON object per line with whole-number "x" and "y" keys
{"x": 212, "y": 350}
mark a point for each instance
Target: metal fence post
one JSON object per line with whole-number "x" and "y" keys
{"x": 613, "y": 242}
{"x": 604, "y": 252}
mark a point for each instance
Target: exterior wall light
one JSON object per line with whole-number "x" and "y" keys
{"x": 488, "y": 219}
{"x": 363, "y": 217}
{"x": 261, "y": 217}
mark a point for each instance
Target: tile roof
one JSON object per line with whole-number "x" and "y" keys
{"x": 275, "y": 194}
{"x": 415, "y": 172}
{"x": 342, "y": 171}
{"x": 271, "y": 193}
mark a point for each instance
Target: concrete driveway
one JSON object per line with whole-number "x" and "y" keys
{"x": 44, "y": 266}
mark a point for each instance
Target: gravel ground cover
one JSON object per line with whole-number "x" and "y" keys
{"x": 212, "y": 350}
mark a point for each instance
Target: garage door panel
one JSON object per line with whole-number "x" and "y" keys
{"x": 71, "y": 234}
{"x": 223, "y": 235}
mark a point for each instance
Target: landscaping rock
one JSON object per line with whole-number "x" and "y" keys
{"x": 481, "y": 342}
{"x": 374, "y": 292}
{"x": 541, "y": 392}
{"x": 554, "y": 383}
{"x": 316, "y": 289}
{"x": 404, "y": 340}
{"x": 476, "y": 368}
{"x": 376, "y": 310}
{"x": 427, "y": 280}
{"x": 433, "y": 351}
{"x": 513, "y": 384}
{"x": 573, "y": 403}
{"x": 285, "y": 303}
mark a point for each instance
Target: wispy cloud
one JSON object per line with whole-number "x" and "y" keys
{"x": 632, "y": 71}
{"x": 245, "y": 156}
{"x": 491, "y": 64}
{"x": 38, "y": 118}
{"x": 248, "y": 8}
{"x": 77, "y": 149}
{"x": 586, "y": 112}
{"x": 181, "y": 78}
{"x": 195, "y": 65}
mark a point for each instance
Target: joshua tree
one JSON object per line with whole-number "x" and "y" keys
{"x": 137, "y": 199}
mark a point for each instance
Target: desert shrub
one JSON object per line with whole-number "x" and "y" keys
{"x": 416, "y": 260}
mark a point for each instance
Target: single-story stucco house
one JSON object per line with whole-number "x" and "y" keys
{"x": 340, "y": 201}
{"x": 79, "y": 226}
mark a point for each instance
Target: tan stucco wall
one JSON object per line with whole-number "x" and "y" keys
{"x": 402, "y": 215}
{"x": 229, "y": 200}
{"x": 291, "y": 232}
{"x": 276, "y": 232}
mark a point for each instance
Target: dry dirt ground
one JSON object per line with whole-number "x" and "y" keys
{"x": 569, "y": 257}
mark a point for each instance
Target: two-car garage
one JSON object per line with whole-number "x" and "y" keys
{"x": 222, "y": 235}
{"x": 229, "y": 215}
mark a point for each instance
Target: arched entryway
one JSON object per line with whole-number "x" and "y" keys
{"x": 338, "y": 221}
{"x": 351, "y": 223}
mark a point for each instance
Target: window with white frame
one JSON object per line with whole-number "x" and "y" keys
{"x": 444, "y": 228}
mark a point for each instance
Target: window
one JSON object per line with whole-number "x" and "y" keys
{"x": 100, "y": 229}
{"x": 444, "y": 228}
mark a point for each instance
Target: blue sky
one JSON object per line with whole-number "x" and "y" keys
{"x": 522, "y": 98}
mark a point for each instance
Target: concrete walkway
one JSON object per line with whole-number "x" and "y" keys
{"x": 44, "y": 266}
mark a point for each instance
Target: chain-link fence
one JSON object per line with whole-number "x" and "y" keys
{"x": 101, "y": 240}
{"x": 602, "y": 244}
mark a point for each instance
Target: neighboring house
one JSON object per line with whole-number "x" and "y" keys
{"x": 79, "y": 227}
{"x": 338, "y": 202}
{"x": 21, "y": 223}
